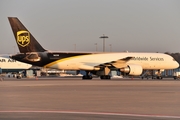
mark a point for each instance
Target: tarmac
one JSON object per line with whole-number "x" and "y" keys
{"x": 77, "y": 99}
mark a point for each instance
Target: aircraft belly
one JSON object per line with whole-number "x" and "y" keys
{"x": 66, "y": 66}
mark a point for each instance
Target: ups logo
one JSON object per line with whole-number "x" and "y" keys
{"x": 23, "y": 38}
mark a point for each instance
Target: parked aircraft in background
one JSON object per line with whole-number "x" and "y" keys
{"x": 96, "y": 63}
{"x": 9, "y": 65}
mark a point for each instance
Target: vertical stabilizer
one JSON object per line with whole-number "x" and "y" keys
{"x": 25, "y": 41}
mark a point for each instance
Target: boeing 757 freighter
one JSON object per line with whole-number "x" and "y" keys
{"x": 99, "y": 64}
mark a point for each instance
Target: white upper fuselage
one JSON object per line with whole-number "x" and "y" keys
{"x": 146, "y": 60}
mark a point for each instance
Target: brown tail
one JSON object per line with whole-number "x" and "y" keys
{"x": 25, "y": 41}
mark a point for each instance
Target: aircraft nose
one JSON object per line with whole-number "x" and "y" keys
{"x": 177, "y": 64}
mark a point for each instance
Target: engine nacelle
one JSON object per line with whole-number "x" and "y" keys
{"x": 132, "y": 70}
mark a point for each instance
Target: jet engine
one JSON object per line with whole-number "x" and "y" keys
{"x": 132, "y": 70}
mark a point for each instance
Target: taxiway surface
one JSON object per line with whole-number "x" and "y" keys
{"x": 76, "y": 99}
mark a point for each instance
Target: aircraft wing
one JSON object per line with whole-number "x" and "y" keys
{"x": 120, "y": 63}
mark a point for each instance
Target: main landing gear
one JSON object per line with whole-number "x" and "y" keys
{"x": 102, "y": 76}
{"x": 105, "y": 74}
{"x": 105, "y": 77}
{"x": 159, "y": 77}
{"x": 87, "y": 76}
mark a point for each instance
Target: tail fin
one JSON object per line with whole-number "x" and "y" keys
{"x": 25, "y": 41}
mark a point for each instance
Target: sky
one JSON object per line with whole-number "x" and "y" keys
{"x": 77, "y": 25}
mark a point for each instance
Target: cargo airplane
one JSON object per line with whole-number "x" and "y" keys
{"x": 9, "y": 65}
{"x": 99, "y": 64}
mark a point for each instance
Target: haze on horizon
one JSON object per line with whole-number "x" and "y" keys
{"x": 68, "y": 25}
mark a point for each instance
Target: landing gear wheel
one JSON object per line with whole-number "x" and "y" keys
{"x": 159, "y": 77}
{"x": 105, "y": 77}
{"x": 85, "y": 77}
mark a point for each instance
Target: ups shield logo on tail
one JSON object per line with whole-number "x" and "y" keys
{"x": 23, "y": 38}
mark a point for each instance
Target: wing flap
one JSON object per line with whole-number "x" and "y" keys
{"x": 121, "y": 62}
{"x": 96, "y": 66}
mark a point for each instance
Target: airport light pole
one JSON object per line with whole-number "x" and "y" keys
{"x": 104, "y": 37}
